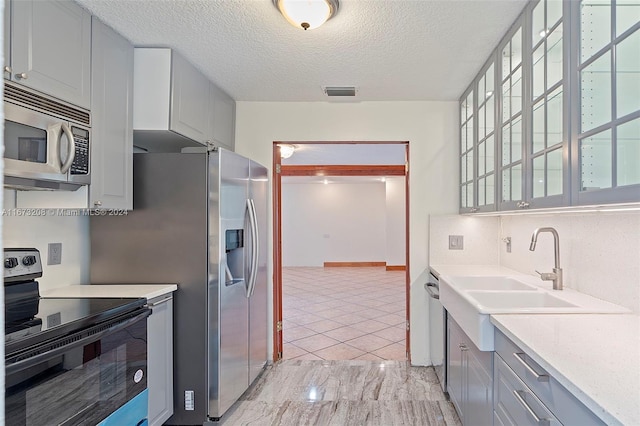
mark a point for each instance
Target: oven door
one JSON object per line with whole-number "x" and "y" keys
{"x": 80, "y": 379}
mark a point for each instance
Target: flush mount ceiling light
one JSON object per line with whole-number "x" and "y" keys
{"x": 286, "y": 151}
{"x": 307, "y": 14}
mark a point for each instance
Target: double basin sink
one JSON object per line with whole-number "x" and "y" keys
{"x": 471, "y": 300}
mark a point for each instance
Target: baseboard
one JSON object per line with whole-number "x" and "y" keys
{"x": 353, "y": 264}
{"x": 396, "y": 268}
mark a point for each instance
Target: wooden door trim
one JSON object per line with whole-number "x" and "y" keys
{"x": 277, "y": 255}
{"x": 343, "y": 170}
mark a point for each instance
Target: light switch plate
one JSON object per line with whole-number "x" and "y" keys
{"x": 456, "y": 242}
{"x": 55, "y": 254}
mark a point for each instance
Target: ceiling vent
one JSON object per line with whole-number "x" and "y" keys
{"x": 339, "y": 91}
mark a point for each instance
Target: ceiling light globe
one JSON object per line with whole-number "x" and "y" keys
{"x": 286, "y": 151}
{"x": 307, "y": 14}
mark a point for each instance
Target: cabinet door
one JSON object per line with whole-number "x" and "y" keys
{"x": 160, "y": 361}
{"x": 7, "y": 39}
{"x": 455, "y": 367}
{"x": 112, "y": 110}
{"x": 479, "y": 395}
{"x": 51, "y": 49}
{"x": 608, "y": 114}
{"x": 189, "y": 101}
{"x": 222, "y": 118}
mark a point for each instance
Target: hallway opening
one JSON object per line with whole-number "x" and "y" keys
{"x": 341, "y": 251}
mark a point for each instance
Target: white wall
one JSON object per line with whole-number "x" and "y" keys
{"x": 38, "y": 232}
{"x": 337, "y": 222}
{"x": 479, "y": 240}
{"x": 395, "y": 221}
{"x": 429, "y": 127}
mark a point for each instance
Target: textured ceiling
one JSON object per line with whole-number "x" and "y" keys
{"x": 390, "y": 50}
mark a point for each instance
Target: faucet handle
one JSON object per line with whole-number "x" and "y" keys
{"x": 547, "y": 276}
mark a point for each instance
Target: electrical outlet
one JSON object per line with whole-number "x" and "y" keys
{"x": 55, "y": 254}
{"x": 456, "y": 242}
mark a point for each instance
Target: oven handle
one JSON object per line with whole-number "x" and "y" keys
{"x": 430, "y": 289}
{"x": 29, "y": 362}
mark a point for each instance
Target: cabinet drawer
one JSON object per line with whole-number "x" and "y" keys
{"x": 553, "y": 395}
{"x": 515, "y": 404}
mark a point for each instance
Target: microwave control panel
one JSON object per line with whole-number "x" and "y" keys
{"x": 80, "y": 165}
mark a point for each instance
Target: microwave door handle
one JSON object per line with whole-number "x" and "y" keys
{"x": 71, "y": 148}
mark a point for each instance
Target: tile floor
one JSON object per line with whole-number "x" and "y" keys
{"x": 343, "y": 313}
{"x": 343, "y": 393}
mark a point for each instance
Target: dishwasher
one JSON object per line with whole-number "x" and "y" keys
{"x": 437, "y": 327}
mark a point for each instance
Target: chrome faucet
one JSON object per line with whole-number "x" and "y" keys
{"x": 556, "y": 275}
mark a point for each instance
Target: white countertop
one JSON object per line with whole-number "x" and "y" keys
{"x": 595, "y": 356}
{"x": 148, "y": 291}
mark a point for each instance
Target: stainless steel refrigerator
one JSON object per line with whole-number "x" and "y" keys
{"x": 199, "y": 220}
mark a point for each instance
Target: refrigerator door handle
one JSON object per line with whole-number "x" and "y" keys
{"x": 253, "y": 222}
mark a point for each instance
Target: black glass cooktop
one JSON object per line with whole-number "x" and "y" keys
{"x": 32, "y": 321}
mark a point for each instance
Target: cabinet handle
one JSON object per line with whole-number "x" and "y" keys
{"x": 474, "y": 210}
{"x": 463, "y": 347}
{"x": 521, "y": 400}
{"x": 97, "y": 203}
{"x": 7, "y": 69}
{"x": 522, "y": 205}
{"x": 22, "y": 76}
{"x": 539, "y": 377}
{"x": 159, "y": 302}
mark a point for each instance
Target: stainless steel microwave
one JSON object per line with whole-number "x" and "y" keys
{"x": 46, "y": 142}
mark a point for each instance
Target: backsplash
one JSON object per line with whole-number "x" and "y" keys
{"x": 599, "y": 252}
{"x": 479, "y": 237}
{"x": 38, "y": 232}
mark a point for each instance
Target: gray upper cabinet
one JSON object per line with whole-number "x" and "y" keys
{"x": 189, "y": 101}
{"x": 567, "y": 111}
{"x": 50, "y": 49}
{"x": 222, "y": 113}
{"x": 606, "y": 144}
{"x": 176, "y": 106}
{"x": 112, "y": 110}
{"x": 7, "y": 39}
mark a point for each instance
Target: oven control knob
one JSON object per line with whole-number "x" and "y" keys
{"x": 10, "y": 262}
{"x": 29, "y": 260}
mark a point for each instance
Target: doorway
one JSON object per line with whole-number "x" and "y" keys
{"x": 329, "y": 162}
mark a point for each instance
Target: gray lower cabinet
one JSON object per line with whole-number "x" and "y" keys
{"x": 50, "y": 48}
{"x": 470, "y": 377}
{"x": 160, "y": 359}
{"x": 112, "y": 110}
{"x": 526, "y": 394}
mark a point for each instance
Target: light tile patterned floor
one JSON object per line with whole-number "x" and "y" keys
{"x": 343, "y": 313}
